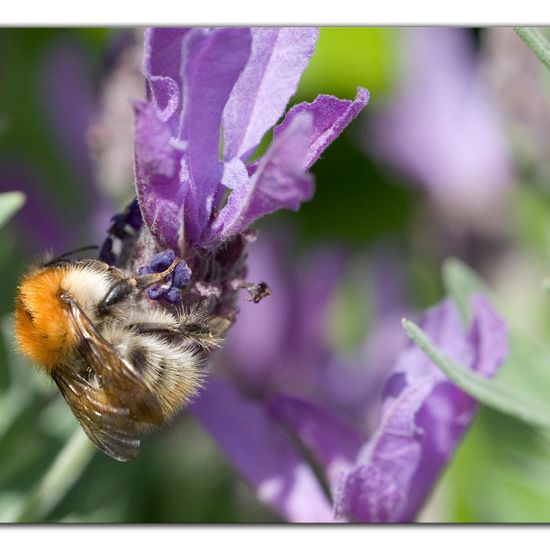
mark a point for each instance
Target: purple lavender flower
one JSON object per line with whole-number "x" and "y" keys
{"x": 198, "y": 198}
{"x": 441, "y": 128}
{"x": 424, "y": 416}
{"x": 178, "y": 279}
{"x": 203, "y": 80}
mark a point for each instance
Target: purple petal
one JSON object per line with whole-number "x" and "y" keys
{"x": 212, "y": 62}
{"x": 191, "y": 73}
{"x": 330, "y": 118}
{"x": 278, "y": 58}
{"x": 235, "y": 174}
{"x": 160, "y": 194}
{"x": 162, "y": 68}
{"x": 424, "y": 416}
{"x": 173, "y": 295}
{"x": 263, "y": 453}
{"x": 182, "y": 275}
{"x": 334, "y": 444}
{"x": 279, "y": 182}
{"x": 157, "y": 292}
{"x": 487, "y": 323}
{"x": 162, "y": 260}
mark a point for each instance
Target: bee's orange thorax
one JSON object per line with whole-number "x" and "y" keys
{"x": 41, "y": 324}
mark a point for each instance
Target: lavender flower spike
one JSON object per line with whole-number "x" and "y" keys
{"x": 200, "y": 80}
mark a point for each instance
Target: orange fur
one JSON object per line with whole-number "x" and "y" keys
{"x": 41, "y": 324}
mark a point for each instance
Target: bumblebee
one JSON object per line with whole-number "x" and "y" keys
{"x": 123, "y": 363}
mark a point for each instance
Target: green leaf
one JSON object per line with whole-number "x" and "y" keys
{"x": 537, "y": 42}
{"x": 527, "y": 366}
{"x": 10, "y": 203}
{"x": 461, "y": 283}
{"x": 500, "y": 473}
{"x": 493, "y": 392}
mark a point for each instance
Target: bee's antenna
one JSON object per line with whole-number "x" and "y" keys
{"x": 61, "y": 258}
{"x": 90, "y": 247}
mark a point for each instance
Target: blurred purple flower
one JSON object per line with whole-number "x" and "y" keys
{"x": 312, "y": 450}
{"x": 42, "y": 221}
{"x": 424, "y": 417}
{"x": 238, "y": 79}
{"x": 287, "y": 343}
{"x": 70, "y": 116}
{"x": 442, "y": 130}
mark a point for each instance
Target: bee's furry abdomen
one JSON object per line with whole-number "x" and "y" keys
{"x": 170, "y": 362}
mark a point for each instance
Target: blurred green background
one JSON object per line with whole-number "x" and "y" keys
{"x": 502, "y": 469}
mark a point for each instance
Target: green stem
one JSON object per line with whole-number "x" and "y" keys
{"x": 62, "y": 475}
{"x": 537, "y": 42}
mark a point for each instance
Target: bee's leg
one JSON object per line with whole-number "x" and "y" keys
{"x": 190, "y": 329}
{"x": 199, "y": 333}
{"x": 150, "y": 279}
{"x": 151, "y": 328}
{"x": 64, "y": 258}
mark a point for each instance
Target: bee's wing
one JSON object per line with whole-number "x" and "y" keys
{"x": 111, "y": 413}
{"x": 109, "y": 428}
